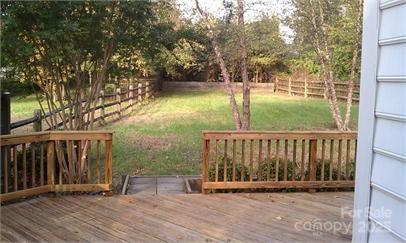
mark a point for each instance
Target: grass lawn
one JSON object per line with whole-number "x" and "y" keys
{"x": 164, "y": 136}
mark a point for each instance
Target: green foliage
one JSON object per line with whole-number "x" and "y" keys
{"x": 340, "y": 17}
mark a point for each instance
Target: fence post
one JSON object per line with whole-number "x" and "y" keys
{"x": 312, "y": 161}
{"x": 305, "y": 87}
{"x": 147, "y": 90}
{"x": 5, "y": 113}
{"x": 289, "y": 86}
{"x": 118, "y": 99}
{"x": 38, "y": 123}
{"x": 131, "y": 94}
{"x": 139, "y": 92}
{"x": 101, "y": 101}
{"x": 276, "y": 85}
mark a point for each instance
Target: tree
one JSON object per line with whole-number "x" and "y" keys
{"x": 66, "y": 48}
{"x": 316, "y": 21}
{"x": 243, "y": 60}
{"x": 223, "y": 67}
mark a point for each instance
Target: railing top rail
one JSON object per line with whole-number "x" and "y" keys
{"x": 208, "y": 134}
{"x": 54, "y": 135}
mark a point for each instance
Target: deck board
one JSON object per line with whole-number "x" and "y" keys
{"x": 248, "y": 217}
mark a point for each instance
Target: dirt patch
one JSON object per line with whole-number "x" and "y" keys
{"x": 153, "y": 143}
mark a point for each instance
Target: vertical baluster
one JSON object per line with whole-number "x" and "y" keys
{"x": 60, "y": 161}
{"x": 51, "y": 162}
{"x": 216, "y": 161}
{"x": 331, "y": 159}
{"x": 15, "y": 167}
{"x": 323, "y": 158}
{"x": 24, "y": 166}
{"x": 98, "y": 162}
{"x": 302, "y": 164}
{"x": 5, "y": 150}
{"x": 251, "y": 160}
{"x": 89, "y": 160}
{"x": 242, "y": 160}
{"x": 33, "y": 161}
{"x": 277, "y": 161}
{"x": 41, "y": 163}
{"x": 340, "y": 145}
{"x": 234, "y": 158}
{"x": 285, "y": 162}
{"x": 294, "y": 160}
{"x": 225, "y": 160}
{"x": 268, "y": 161}
{"x": 80, "y": 155}
{"x": 260, "y": 160}
{"x": 347, "y": 160}
{"x": 70, "y": 159}
{"x": 312, "y": 161}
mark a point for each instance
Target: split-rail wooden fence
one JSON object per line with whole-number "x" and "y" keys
{"x": 108, "y": 105}
{"x": 263, "y": 159}
{"x": 307, "y": 88}
{"x": 55, "y": 161}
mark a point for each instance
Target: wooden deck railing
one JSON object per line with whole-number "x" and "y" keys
{"x": 57, "y": 161}
{"x": 256, "y": 159}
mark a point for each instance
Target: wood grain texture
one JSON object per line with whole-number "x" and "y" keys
{"x": 178, "y": 218}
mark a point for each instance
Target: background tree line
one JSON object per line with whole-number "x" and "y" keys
{"x": 60, "y": 49}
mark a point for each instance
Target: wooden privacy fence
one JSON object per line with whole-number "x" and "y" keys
{"x": 256, "y": 159}
{"x": 313, "y": 88}
{"x": 57, "y": 161}
{"x": 108, "y": 105}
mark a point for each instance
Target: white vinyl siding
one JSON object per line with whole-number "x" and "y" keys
{"x": 386, "y": 158}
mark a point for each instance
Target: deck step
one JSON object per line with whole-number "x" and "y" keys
{"x": 154, "y": 185}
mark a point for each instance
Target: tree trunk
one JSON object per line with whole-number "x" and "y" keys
{"x": 224, "y": 72}
{"x": 357, "y": 44}
{"x": 243, "y": 58}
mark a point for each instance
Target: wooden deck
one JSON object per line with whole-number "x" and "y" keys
{"x": 259, "y": 217}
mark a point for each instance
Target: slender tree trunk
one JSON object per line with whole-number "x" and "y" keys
{"x": 224, "y": 72}
{"x": 323, "y": 52}
{"x": 357, "y": 44}
{"x": 243, "y": 59}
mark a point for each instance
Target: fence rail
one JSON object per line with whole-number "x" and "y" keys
{"x": 121, "y": 100}
{"x": 57, "y": 161}
{"x": 252, "y": 160}
{"x": 313, "y": 88}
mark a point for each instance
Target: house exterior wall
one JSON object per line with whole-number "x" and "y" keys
{"x": 381, "y": 169}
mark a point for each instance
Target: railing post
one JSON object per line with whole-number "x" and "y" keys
{"x": 5, "y": 113}
{"x": 118, "y": 99}
{"x": 147, "y": 90}
{"x": 131, "y": 94}
{"x": 139, "y": 92}
{"x": 289, "y": 86}
{"x": 101, "y": 101}
{"x": 51, "y": 162}
{"x": 108, "y": 167}
{"x": 206, "y": 167}
{"x": 312, "y": 161}
{"x": 305, "y": 87}
{"x": 38, "y": 123}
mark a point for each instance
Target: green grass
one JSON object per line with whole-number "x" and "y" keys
{"x": 164, "y": 136}
{"x": 23, "y": 107}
